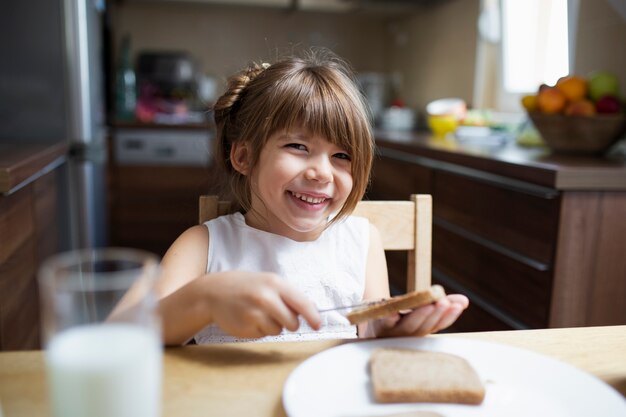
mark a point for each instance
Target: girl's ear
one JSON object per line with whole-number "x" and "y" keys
{"x": 240, "y": 157}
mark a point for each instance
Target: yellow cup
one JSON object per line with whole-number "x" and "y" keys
{"x": 441, "y": 125}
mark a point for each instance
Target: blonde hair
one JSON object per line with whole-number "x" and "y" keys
{"x": 316, "y": 92}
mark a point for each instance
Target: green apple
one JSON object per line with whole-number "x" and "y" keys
{"x": 602, "y": 83}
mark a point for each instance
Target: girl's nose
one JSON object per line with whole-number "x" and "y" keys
{"x": 320, "y": 169}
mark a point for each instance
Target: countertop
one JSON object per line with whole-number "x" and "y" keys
{"x": 20, "y": 163}
{"x": 532, "y": 165}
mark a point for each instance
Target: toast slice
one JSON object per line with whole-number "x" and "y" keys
{"x": 410, "y": 375}
{"x": 392, "y": 305}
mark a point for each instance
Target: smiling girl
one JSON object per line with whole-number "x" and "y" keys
{"x": 295, "y": 140}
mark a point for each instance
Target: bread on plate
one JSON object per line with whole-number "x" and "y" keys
{"x": 411, "y": 375}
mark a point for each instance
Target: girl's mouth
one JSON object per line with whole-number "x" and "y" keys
{"x": 308, "y": 199}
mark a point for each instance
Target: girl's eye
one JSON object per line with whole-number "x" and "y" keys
{"x": 342, "y": 155}
{"x": 297, "y": 146}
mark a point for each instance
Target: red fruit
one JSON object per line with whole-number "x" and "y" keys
{"x": 608, "y": 105}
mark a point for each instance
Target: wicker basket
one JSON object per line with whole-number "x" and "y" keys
{"x": 579, "y": 134}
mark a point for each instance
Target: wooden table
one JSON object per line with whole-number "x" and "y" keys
{"x": 247, "y": 379}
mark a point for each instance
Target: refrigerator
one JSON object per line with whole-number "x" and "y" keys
{"x": 51, "y": 89}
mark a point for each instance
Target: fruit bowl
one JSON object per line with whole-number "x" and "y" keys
{"x": 579, "y": 134}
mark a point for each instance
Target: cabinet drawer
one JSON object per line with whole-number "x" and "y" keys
{"x": 515, "y": 289}
{"x": 395, "y": 180}
{"x": 518, "y": 222}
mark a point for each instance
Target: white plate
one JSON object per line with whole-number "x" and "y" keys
{"x": 336, "y": 382}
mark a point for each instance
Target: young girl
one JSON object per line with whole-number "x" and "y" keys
{"x": 295, "y": 139}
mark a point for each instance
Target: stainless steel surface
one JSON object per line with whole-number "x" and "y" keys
{"x": 52, "y": 89}
{"x": 84, "y": 72}
{"x": 162, "y": 147}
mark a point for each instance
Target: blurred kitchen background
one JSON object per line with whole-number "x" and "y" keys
{"x": 106, "y": 134}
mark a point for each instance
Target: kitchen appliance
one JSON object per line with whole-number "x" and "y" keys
{"x": 51, "y": 84}
{"x": 168, "y": 88}
{"x": 167, "y": 71}
{"x": 163, "y": 147}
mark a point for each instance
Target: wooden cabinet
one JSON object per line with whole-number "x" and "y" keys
{"x": 151, "y": 206}
{"x": 28, "y": 235}
{"x": 152, "y": 201}
{"x": 528, "y": 250}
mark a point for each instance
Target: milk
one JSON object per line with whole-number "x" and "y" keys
{"x": 107, "y": 370}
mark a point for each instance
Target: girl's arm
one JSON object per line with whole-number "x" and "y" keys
{"x": 419, "y": 322}
{"x": 243, "y": 304}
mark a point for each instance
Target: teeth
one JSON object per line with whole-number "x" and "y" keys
{"x": 309, "y": 199}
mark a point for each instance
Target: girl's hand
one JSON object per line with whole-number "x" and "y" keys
{"x": 424, "y": 320}
{"x": 250, "y": 304}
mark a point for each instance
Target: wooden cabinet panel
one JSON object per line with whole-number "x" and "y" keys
{"x": 393, "y": 180}
{"x": 477, "y": 319}
{"x": 150, "y": 206}
{"x": 16, "y": 221}
{"x": 516, "y": 289}
{"x": 19, "y": 299}
{"x": 533, "y": 239}
{"x": 590, "y": 272}
{"x": 45, "y": 215}
{"x": 519, "y": 222}
{"x": 29, "y": 233}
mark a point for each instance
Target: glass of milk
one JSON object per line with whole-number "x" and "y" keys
{"x": 101, "y": 332}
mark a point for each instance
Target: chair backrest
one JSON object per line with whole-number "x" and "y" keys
{"x": 403, "y": 225}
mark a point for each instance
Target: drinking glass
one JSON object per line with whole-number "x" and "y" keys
{"x": 101, "y": 332}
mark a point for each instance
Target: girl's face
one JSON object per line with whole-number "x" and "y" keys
{"x": 299, "y": 181}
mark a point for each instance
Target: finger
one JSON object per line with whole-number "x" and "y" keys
{"x": 284, "y": 315}
{"x": 431, "y": 321}
{"x": 449, "y": 317}
{"x": 413, "y": 321}
{"x": 300, "y": 304}
{"x": 269, "y": 327}
{"x": 385, "y": 325}
{"x": 459, "y": 299}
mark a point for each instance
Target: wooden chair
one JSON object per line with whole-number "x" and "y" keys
{"x": 403, "y": 225}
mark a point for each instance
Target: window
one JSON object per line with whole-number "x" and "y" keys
{"x": 534, "y": 43}
{"x": 522, "y": 44}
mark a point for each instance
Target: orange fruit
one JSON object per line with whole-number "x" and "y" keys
{"x": 530, "y": 102}
{"x": 582, "y": 107}
{"x": 550, "y": 100}
{"x": 573, "y": 88}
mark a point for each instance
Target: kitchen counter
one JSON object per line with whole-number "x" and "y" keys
{"x": 22, "y": 163}
{"x": 534, "y": 239}
{"x": 536, "y": 166}
{"x": 29, "y": 232}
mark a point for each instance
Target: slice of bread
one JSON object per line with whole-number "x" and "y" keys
{"x": 392, "y": 305}
{"x": 410, "y": 375}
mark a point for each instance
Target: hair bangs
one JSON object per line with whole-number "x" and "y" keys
{"x": 312, "y": 103}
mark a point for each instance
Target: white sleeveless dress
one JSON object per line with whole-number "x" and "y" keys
{"x": 330, "y": 270}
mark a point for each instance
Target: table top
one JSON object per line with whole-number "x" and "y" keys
{"x": 247, "y": 379}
